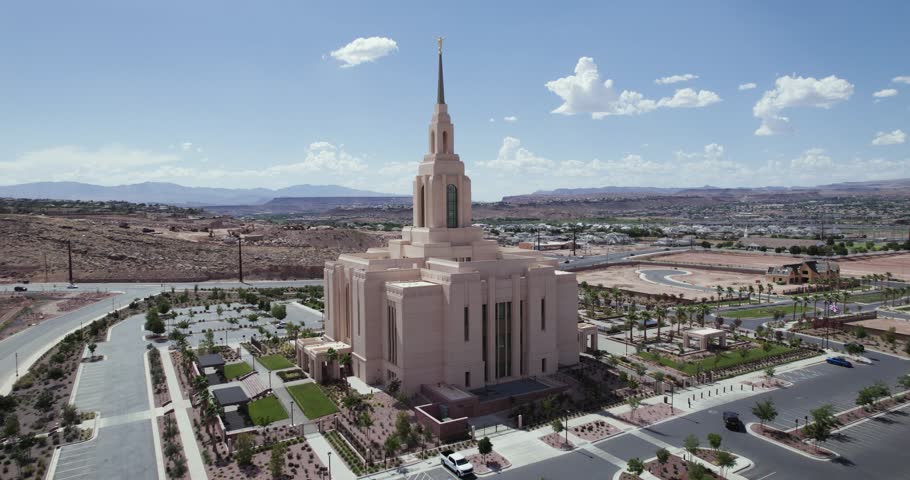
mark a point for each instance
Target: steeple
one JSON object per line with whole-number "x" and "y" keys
{"x": 440, "y": 89}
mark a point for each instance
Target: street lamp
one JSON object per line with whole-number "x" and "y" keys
{"x": 330, "y": 465}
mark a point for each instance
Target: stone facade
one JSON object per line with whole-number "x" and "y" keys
{"x": 442, "y": 305}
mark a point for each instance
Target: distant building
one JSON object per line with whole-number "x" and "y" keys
{"x": 814, "y": 271}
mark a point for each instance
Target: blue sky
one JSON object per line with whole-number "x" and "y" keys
{"x": 248, "y": 94}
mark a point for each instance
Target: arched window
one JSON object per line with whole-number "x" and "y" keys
{"x": 433, "y": 141}
{"x": 451, "y": 204}
{"x": 445, "y": 141}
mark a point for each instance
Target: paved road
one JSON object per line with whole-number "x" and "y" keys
{"x": 673, "y": 278}
{"x": 31, "y": 343}
{"x": 117, "y": 388}
{"x": 594, "y": 260}
{"x": 870, "y": 450}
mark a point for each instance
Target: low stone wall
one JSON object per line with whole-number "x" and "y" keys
{"x": 840, "y": 322}
{"x": 446, "y": 430}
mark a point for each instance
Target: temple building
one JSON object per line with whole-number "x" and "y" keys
{"x": 442, "y": 306}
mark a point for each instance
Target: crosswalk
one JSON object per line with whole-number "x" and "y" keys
{"x": 802, "y": 374}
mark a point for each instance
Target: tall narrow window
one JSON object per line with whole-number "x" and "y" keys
{"x": 445, "y": 141}
{"x": 452, "y": 206}
{"x": 393, "y": 336}
{"x": 503, "y": 339}
{"x": 543, "y": 365}
{"x": 521, "y": 337}
{"x": 467, "y": 379}
{"x": 422, "y": 214}
{"x": 483, "y": 335}
{"x": 433, "y": 142}
{"x": 467, "y": 326}
{"x": 543, "y": 313}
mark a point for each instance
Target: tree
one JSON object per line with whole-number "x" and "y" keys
{"x": 904, "y": 381}
{"x": 635, "y": 466}
{"x": 769, "y": 372}
{"x": 854, "y": 348}
{"x": 153, "y": 322}
{"x": 634, "y": 403}
{"x": 280, "y": 311}
{"x": 557, "y": 426}
{"x": 485, "y": 447}
{"x": 725, "y": 460}
{"x": 391, "y": 446}
{"x": 276, "y": 463}
{"x": 91, "y": 348}
{"x": 243, "y": 449}
{"x": 690, "y": 444}
{"x": 823, "y": 422}
{"x": 714, "y": 440}
{"x": 11, "y": 426}
{"x": 663, "y": 455}
{"x": 696, "y": 471}
{"x": 70, "y": 415}
{"x": 765, "y": 411}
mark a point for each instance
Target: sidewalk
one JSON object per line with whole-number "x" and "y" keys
{"x": 277, "y": 385}
{"x": 187, "y": 437}
{"x": 323, "y": 450}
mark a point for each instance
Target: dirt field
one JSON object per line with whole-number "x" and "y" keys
{"x": 729, "y": 259}
{"x": 898, "y": 265}
{"x": 901, "y": 327}
{"x": 18, "y": 312}
{"x": 628, "y": 278}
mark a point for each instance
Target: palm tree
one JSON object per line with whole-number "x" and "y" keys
{"x": 681, "y": 313}
{"x": 661, "y": 313}
{"x": 645, "y": 318}
{"x": 761, "y": 290}
{"x": 703, "y": 311}
{"x": 796, "y": 301}
{"x": 631, "y": 320}
{"x": 815, "y": 299}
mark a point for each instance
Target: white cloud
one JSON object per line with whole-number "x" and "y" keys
{"x": 894, "y": 138}
{"x": 888, "y": 92}
{"x": 675, "y": 79}
{"x": 363, "y": 50}
{"x": 510, "y": 119}
{"x": 812, "y": 160}
{"x": 514, "y": 158}
{"x": 186, "y": 146}
{"x": 792, "y": 92}
{"x": 901, "y": 79}
{"x": 399, "y": 169}
{"x": 584, "y": 92}
{"x": 492, "y": 120}
{"x": 747, "y": 86}
{"x": 687, "y": 97}
{"x": 71, "y": 163}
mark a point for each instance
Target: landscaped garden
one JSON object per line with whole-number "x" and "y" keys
{"x": 275, "y": 362}
{"x": 235, "y": 370}
{"x": 754, "y": 312}
{"x": 266, "y": 410}
{"x": 721, "y": 359}
{"x": 311, "y": 400}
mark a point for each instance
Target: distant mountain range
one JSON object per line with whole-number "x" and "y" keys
{"x": 173, "y": 194}
{"x": 897, "y": 187}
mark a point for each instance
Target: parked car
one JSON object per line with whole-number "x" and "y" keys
{"x": 732, "y": 421}
{"x": 456, "y": 463}
{"x": 71, "y": 286}
{"x": 20, "y": 289}
{"x": 840, "y": 362}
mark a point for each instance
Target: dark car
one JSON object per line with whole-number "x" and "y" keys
{"x": 20, "y": 289}
{"x": 732, "y": 421}
{"x": 840, "y": 362}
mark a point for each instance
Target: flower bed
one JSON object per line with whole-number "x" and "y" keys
{"x": 557, "y": 441}
{"x": 159, "y": 382}
{"x": 788, "y": 438}
{"x": 709, "y": 455}
{"x": 491, "y": 462}
{"x": 649, "y": 414}
{"x": 300, "y": 462}
{"x": 172, "y": 447}
{"x": 594, "y": 431}
{"x": 291, "y": 375}
{"x": 675, "y": 469}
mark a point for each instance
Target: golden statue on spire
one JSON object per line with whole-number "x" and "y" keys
{"x": 439, "y": 43}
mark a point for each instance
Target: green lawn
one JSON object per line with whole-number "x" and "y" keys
{"x": 311, "y": 400}
{"x": 266, "y": 410}
{"x": 759, "y": 312}
{"x": 729, "y": 359}
{"x": 234, "y": 370}
{"x": 275, "y": 362}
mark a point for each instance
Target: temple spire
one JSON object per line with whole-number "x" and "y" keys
{"x": 440, "y": 89}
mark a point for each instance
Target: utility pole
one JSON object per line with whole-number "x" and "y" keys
{"x": 240, "y": 256}
{"x": 538, "y": 238}
{"x": 45, "y": 267}
{"x": 69, "y": 254}
{"x": 574, "y": 230}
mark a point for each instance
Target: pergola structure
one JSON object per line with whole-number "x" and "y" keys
{"x": 587, "y": 337}
{"x": 705, "y": 337}
{"x": 312, "y": 357}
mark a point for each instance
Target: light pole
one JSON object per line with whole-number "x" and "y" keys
{"x": 17, "y": 365}
{"x": 330, "y": 465}
{"x": 292, "y": 413}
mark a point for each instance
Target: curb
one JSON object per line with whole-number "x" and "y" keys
{"x": 787, "y": 447}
